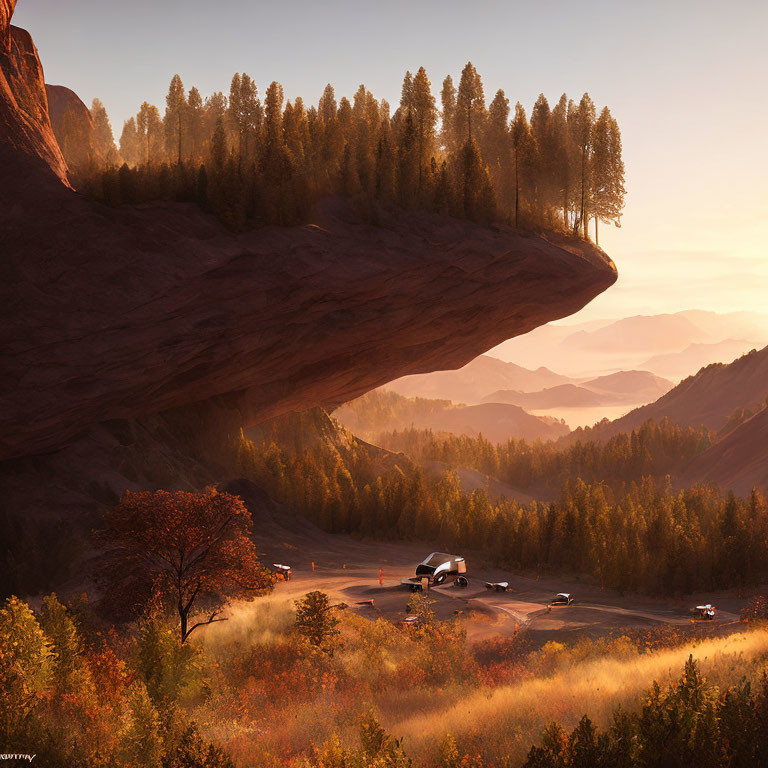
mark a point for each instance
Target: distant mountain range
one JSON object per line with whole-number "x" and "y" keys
{"x": 614, "y": 389}
{"x": 678, "y": 365}
{"x": 383, "y": 411}
{"x": 638, "y": 335}
{"x": 738, "y": 462}
{"x": 670, "y": 345}
{"x": 475, "y": 380}
{"x": 709, "y": 398}
{"x": 498, "y": 422}
{"x": 489, "y": 380}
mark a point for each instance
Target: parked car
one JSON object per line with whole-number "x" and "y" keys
{"x": 461, "y": 581}
{"x": 497, "y": 586}
{"x": 706, "y": 612}
{"x": 283, "y": 571}
{"x": 562, "y": 598}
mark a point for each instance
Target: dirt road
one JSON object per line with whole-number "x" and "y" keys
{"x": 348, "y": 570}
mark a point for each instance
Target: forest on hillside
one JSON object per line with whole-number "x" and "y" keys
{"x": 615, "y": 518}
{"x": 253, "y": 162}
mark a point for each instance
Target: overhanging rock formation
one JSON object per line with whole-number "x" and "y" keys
{"x": 120, "y": 313}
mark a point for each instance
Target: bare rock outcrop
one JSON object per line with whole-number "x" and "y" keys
{"x": 73, "y": 128}
{"x": 26, "y": 135}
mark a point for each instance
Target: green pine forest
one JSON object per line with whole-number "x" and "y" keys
{"x": 254, "y": 160}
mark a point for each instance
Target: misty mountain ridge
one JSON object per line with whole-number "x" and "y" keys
{"x": 710, "y": 398}
{"x": 671, "y": 345}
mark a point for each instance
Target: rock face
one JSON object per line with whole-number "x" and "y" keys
{"x": 73, "y": 128}
{"x": 26, "y": 136}
{"x": 130, "y": 312}
{"x": 123, "y": 313}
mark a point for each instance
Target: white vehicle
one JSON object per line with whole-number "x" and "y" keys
{"x": 497, "y": 586}
{"x": 706, "y": 612}
{"x": 562, "y": 598}
{"x": 282, "y": 570}
{"x": 436, "y": 568}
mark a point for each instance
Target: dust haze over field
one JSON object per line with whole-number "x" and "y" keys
{"x": 507, "y": 719}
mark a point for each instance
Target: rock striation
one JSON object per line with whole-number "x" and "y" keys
{"x": 123, "y": 313}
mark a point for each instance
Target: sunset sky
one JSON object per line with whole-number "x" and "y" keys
{"x": 684, "y": 79}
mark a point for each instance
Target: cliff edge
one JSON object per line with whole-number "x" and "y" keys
{"x": 122, "y": 313}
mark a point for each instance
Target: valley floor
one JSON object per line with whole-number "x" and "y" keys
{"x": 348, "y": 570}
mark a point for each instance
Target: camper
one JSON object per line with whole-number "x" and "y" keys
{"x": 435, "y": 569}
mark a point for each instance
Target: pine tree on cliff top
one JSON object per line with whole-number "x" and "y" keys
{"x": 175, "y": 116}
{"x": 425, "y": 120}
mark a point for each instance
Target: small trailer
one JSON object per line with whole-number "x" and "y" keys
{"x": 703, "y": 612}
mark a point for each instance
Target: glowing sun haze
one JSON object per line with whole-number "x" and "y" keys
{"x": 685, "y": 80}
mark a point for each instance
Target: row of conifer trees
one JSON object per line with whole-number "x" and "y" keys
{"x": 254, "y": 161}
{"x": 640, "y": 535}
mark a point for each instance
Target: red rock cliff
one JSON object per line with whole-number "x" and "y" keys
{"x": 73, "y": 128}
{"x": 26, "y": 136}
{"x": 119, "y": 313}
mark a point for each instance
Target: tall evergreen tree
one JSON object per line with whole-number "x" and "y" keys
{"x": 408, "y": 162}
{"x": 219, "y": 146}
{"x": 406, "y": 94}
{"x": 148, "y": 129}
{"x": 326, "y": 108}
{"x": 425, "y": 119}
{"x": 385, "y": 165}
{"x": 607, "y": 171}
{"x": 521, "y": 146}
{"x": 175, "y": 117}
{"x": 105, "y": 141}
{"x": 448, "y": 115}
{"x": 245, "y": 113}
{"x": 195, "y": 123}
{"x": 273, "y": 113}
{"x": 497, "y": 153}
{"x": 585, "y": 120}
{"x": 562, "y": 160}
{"x": 470, "y": 106}
{"x": 541, "y": 133}
{"x": 130, "y": 144}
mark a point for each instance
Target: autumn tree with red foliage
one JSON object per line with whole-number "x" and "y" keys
{"x": 193, "y": 547}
